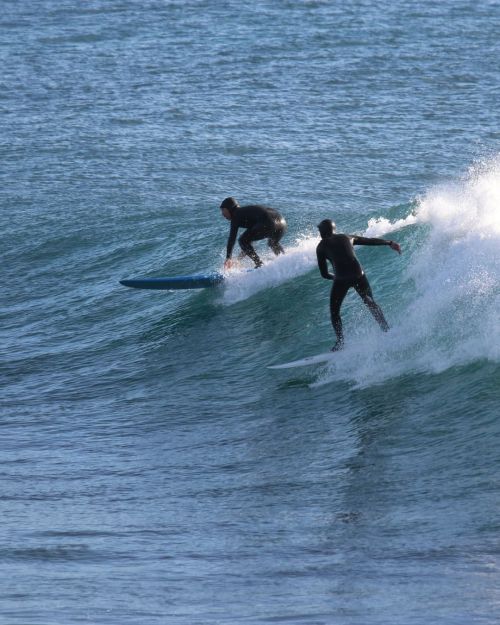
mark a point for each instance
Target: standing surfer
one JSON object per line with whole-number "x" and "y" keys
{"x": 338, "y": 249}
{"x": 261, "y": 222}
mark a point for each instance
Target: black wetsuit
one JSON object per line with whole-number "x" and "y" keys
{"x": 261, "y": 222}
{"x": 338, "y": 249}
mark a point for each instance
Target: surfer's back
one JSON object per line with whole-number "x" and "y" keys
{"x": 338, "y": 249}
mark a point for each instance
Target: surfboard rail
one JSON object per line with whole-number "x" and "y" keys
{"x": 170, "y": 283}
{"x": 305, "y": 362}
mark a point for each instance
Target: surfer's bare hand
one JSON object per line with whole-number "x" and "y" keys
{"x": 228, "y": 263}
{"x": 395, "y": 246}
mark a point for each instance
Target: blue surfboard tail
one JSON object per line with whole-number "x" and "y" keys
{"x": 195, "y": 281}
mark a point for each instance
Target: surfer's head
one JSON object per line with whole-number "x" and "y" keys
{"x": 326, "y": 228}
{"x": 228, "y": 206}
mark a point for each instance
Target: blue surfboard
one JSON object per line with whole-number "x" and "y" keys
{"x": 195, "y": 281}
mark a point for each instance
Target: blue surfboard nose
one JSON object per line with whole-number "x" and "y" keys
{"x": 194, "y": 281}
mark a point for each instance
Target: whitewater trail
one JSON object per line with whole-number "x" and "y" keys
{"x": 298, "y": 260}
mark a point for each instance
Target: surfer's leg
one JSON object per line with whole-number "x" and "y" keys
{"x": 276, "y": 236}
{"x": 364, "y": 290}
{"x": 337, "y": 295}
{"x": 245, "y": 241}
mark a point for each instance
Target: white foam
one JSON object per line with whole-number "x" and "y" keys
{"x": 299, "y": 259}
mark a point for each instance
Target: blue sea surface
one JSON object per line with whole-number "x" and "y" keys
{"x": 153, "y": 469}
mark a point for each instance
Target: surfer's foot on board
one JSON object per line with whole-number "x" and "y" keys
{"x": 338, "y": 346}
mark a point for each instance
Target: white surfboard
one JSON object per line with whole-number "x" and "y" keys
{"x": 304, "y": 362}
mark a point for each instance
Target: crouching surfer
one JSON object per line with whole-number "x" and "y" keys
{"x": 260, "y": 222}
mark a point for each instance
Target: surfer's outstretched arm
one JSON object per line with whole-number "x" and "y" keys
{"x": 374, "y": 241}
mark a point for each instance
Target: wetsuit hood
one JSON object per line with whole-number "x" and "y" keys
{"x": 230, "y": 204}
{"x": 326, "y": 228}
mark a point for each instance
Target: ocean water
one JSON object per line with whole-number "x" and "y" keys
{"x": 153, "y": 469}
